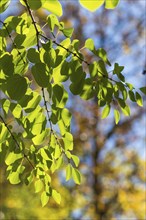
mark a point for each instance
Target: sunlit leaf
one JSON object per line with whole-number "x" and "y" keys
{"x": 68, "y": 172}
{"x": 12, "y": 157}
{"x": 38, "y": 185}
{"x": 117, "y": 116}
{"x": 105, "y": 111}
{"x": 53, "y": 6}
{"x": 76, "y": 175}
{"x": 139, "y": 99}
{"x": 44, "y": 198}
{"x": 91, "y": 5}
{"x": 111, "y": 4}
{"x": 56, "y": 196}
{"x": 4, "y": 5}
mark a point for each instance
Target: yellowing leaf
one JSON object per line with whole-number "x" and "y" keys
{"x": 91, "y": 5}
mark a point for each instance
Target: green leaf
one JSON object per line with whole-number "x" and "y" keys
{"x": 16, "y": 110}
{"x": 38, "y": 185}
{"x": 105, "y": 111}
{"x": 41, "y": 74}
{"x": 68, "y": 172}
{"x": 34, "y": 5}
{"x": 56, "y": 196}
{"x": 45, "y": 154}
{"x": 91, "y": 5}
{"x": 44, "y": 198}
{"x": 103, "y": 55}
{"x": 4, "y": 5}
{"x": 53, "y": 6}
{"x": 87, "y": 92}
{"x": 52, "y": 20}
{"x": 75, "y": 160}
{"x": 143, "y": 89}
{"x": 117, "y": 116}
{"x": 76, "y": 175}
{"x": 60, "y": 96}
{"x": 33, "y": 55}
{"x": 68, "y": 32}
{"x": 16, "y": 87}
{"x": 12, "y": 157}
{"x": 117, "y": 69}
{"x": 89, "y": 44}
{"x": 14, "y": 178}
{"x": 57, "y": 152}
{"x": 111, "y": 4}
{"x": 6, "y": 64}
{"x": 40, "y": 138}
{"x": 126, "y": 110}
{"x": 139, "y": 100}
{"x": 3, "y": 133}
{"x": 132, "y": 96}
{"x": 68, "y": 141}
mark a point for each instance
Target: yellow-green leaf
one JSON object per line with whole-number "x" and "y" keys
{"x": 91, "y": 5}
{"x": 53, "y": 6}
{"x": 44, "y": 198}
{"x": 38, "y": 186}
{"x": 68, "y": 172}
{"x": 139, "y": 100}
{"x": 111, "y": 4}
{"x": 117, "y": 116}
{"x": 105, "y": 111}
{"x": 76, "y": 175}
{"x": 56, "y": 196}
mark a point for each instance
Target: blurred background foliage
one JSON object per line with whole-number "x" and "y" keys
{"x": 112, "y": 156}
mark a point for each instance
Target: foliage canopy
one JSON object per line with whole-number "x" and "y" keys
{"x": 36, "y": 64}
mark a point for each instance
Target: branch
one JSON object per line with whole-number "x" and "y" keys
{"x": 34, "y": 23}
{"x": 14, "y": 44}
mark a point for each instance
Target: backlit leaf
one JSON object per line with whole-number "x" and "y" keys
{"x": 4, "y": 5}
{"x": 38, "y": 185}
{"x": 91, "y": 5}
{"x": 76, "y": 175}
{"x": 44, "y": 198}
{"x": 111, "y": 4}
{"x": 68, "y": 172}
{"x": 105, "y": 111}
{"x": 56, "y": 196}
{"x": 117, "y": 116}
{"x": 53, "y": 6}
{"x": 139, "y": 99}
{"x": 12, "y": 157}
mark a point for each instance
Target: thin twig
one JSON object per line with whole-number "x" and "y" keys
{"x": 16, "y": 142}
{"x": 14, "y": 44}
